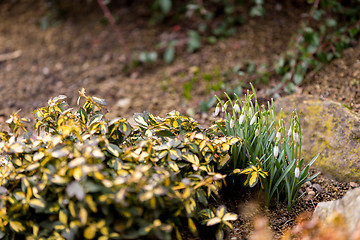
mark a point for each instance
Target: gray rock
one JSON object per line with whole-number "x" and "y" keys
{"x": 330, "y": 129}
{"x": 348, "y": 207}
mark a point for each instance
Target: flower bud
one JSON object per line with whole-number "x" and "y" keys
{"x": 276, "y": 151}
{"x": 257, "y": 132}
{"x": 297, "y": 172}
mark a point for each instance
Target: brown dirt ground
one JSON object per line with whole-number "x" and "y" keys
{"x": 81, "y": 52}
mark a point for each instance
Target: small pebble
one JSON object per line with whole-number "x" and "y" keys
{"x": 317, "y": 187}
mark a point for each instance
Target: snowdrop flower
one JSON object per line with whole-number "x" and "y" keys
{"x": 257, "y": 132}
{"x": 276, "y": 151}
{"x": 290, "y": 132}
{"x": 278, "y": 136}
{"x": 236, "y": 108}
{"x": 217, "y": 110}
{"x": 253, "y": 120}
{"x": 225, "y": 106}
{"x": 296, "y": 137}
{"x": 241, "y": 118}
{"x": 250, "y": 112}
{"x": 232, "y": 123}
{"x": 297, "y": 172}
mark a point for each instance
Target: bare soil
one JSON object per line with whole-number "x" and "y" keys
{"x": 79, "y": 51}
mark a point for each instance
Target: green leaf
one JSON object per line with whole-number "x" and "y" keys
{"x": 169, "y": 54}
{"x": 219, "y": 234}
{"x": 165, "y": 5}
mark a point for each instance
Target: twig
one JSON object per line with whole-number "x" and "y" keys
{"x": 10, "y": 56}
{"x": 111, "y": 20}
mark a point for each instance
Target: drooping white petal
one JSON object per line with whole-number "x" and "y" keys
{"x": 241, "y": 119}
{"x": 253, "y": 120}
{"x": 276, "y": 151}
{"x": 290, "y": 132}
{"x": 250, "y": 112}
{"x": 297, "y": 172}
{"x": 278, "y": 136}
{"x": 236, "y": 108}
{"x": 225, "y": 106}
{"x": 217, "y": 110}
{"x": 257, "y": 132}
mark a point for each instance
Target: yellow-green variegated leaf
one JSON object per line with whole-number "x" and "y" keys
{"x": 224, "y": 147}
{"x": 213, "y": 221}
{"x": 248, "y": 170}
{"x": 192, "y": 226}
{"x": 174, "y": 154}
{"x": 220, "y": 211}
{"x": 174, "y": 166}
{"x": 99, "y": 100}
{"x": 32, "y": 167}
{"x": 230, "y": 217}
{"x": 90, "y": 232}
{"x": 223, "y": 161}
{"x": 37, "y": 203}
{"x": 83, "y": 215}
{"x": 192, "y": 158}
{"x": 140, "y": 120}
{"x": 113, "y": 149}
{"x": 163, "y": 154}
{"x": 253, "y": 179}
{"x": 63, "y": 217}
{"x": 17, "y": 226}
{"x": 208, "y": 157}
{"x": 263, "y": 174}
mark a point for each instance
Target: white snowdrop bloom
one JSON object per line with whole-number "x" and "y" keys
{"x": 232, "y": 123}
{"x": 217, "y": 110}
{"x": 296, "y": 137}
{"x": 241, "y": 118}
{"x": 250, "y": 112}
{"x": 253, "y": 120}
{"x": 257, "y": 132}
{"x": 289, "y": 132}
{"x": 278, "y": 136}
{"x": 236, "y": 108}
{"x": 276, "y": 151}
{"x": 297, "y": 172}
{"x": 225, "y": 106}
